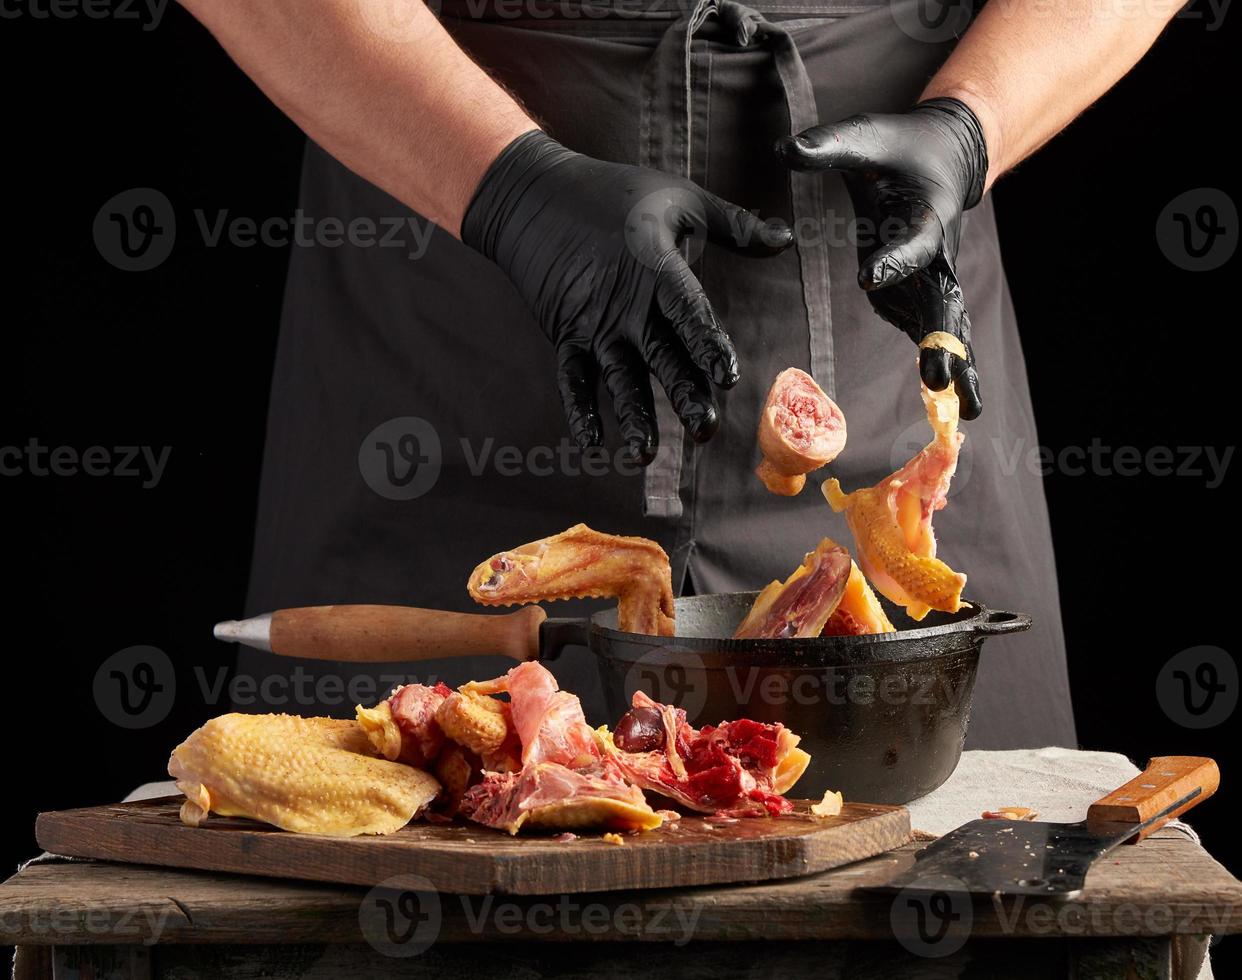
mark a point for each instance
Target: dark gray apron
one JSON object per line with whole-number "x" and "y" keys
{"x": 415, "y": 428}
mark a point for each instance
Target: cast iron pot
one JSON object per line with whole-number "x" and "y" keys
{"x": 884, "y": 716}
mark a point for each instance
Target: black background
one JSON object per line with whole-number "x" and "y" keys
{"x": 1124, "y": 347}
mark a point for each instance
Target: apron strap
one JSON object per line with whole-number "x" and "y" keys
{"x": 666, "y": 142}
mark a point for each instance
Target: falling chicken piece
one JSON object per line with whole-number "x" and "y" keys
{"x": 859, "y": 612}
{"x": 802, "y": 604}
{"x": 891, "y": 521}
{"x": 800, "y": 430}
{"x": 308, "y": 775}
{"x": 584, "y": 564}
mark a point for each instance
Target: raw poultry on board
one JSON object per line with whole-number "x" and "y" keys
{"x": 530, "y": 761}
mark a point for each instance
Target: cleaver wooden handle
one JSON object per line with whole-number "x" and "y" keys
{"x": 386, "y": 634}
{"x": 1167, "y": 779}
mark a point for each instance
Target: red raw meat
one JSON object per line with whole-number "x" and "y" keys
{"x": 729, "y": 768}
{"x": 413, "y": 708}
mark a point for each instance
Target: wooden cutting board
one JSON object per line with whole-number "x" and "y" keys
{"x": 470, "y": 859}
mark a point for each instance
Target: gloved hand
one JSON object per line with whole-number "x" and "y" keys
{"x": 910, "y": 177}
{"x": 593, "y": 248}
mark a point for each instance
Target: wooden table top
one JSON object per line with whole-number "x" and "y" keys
{"x": 1163, "y": 886}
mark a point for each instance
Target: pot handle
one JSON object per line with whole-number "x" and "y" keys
{"x": 559, "y": 633}
{"x": 389, "y": 634}
{"x": 997, "y": 622}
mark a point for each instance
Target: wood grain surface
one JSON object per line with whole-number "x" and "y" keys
{"x": 1166, "y": 780}
{"x": 473, "y": 860}
{"x": 1167, "y": 885}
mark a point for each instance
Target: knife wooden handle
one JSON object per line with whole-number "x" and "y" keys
{"x": 1166, "y": 780}
{"x": 386, "y": 634}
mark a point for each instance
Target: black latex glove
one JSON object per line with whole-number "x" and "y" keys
{"x": 594, "y": 249}
{"x": 910, "y": 177}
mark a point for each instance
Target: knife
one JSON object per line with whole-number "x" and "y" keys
{"x": 1051, "y": 860}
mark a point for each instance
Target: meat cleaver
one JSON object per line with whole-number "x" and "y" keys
{"x": 1051, "y": 860}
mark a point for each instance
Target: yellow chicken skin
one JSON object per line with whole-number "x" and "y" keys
{"x": 307, "y": 775}
{"x": 891, "y": 521}
{"x": 859, "y": 612}
{"x": 584, "y": 564}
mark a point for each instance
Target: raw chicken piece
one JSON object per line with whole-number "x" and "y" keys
{"x": 891, "y": 521}
{"x": 457, "y": 769}
{"x": 404, "y": 727}
{"x": 859, "y": 612}
{"x": 740, "y": 768}
{"x": 800, "y": 430}
{"x": 550, "y": 796}
{"x": 801, "y": 605}
{"x": 484, "y": 726}
{"x": 583, "y": 564}
{"x": 549, "y": 722}
{"x": 308, "y": 775}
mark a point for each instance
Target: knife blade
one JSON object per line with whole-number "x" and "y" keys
{"x": 1051, "y": 860}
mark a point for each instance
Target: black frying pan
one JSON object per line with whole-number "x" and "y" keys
{"x": 884, "y": 717}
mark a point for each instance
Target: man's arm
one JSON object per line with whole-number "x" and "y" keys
{"x": 1022, "y": 72}
{"x": 1028, "y": 67}
{"x": 411, "y": 113}
{"x": 415, "y": 116}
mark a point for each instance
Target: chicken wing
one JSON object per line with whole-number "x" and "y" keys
{"x": 308, "y": 775}
{"x": 891, "y": 521}
{"x": 579, "y": 564}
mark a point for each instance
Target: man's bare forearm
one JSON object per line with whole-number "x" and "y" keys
{"x": 1028, "y": 67}
{"x": 407, "y": 109}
